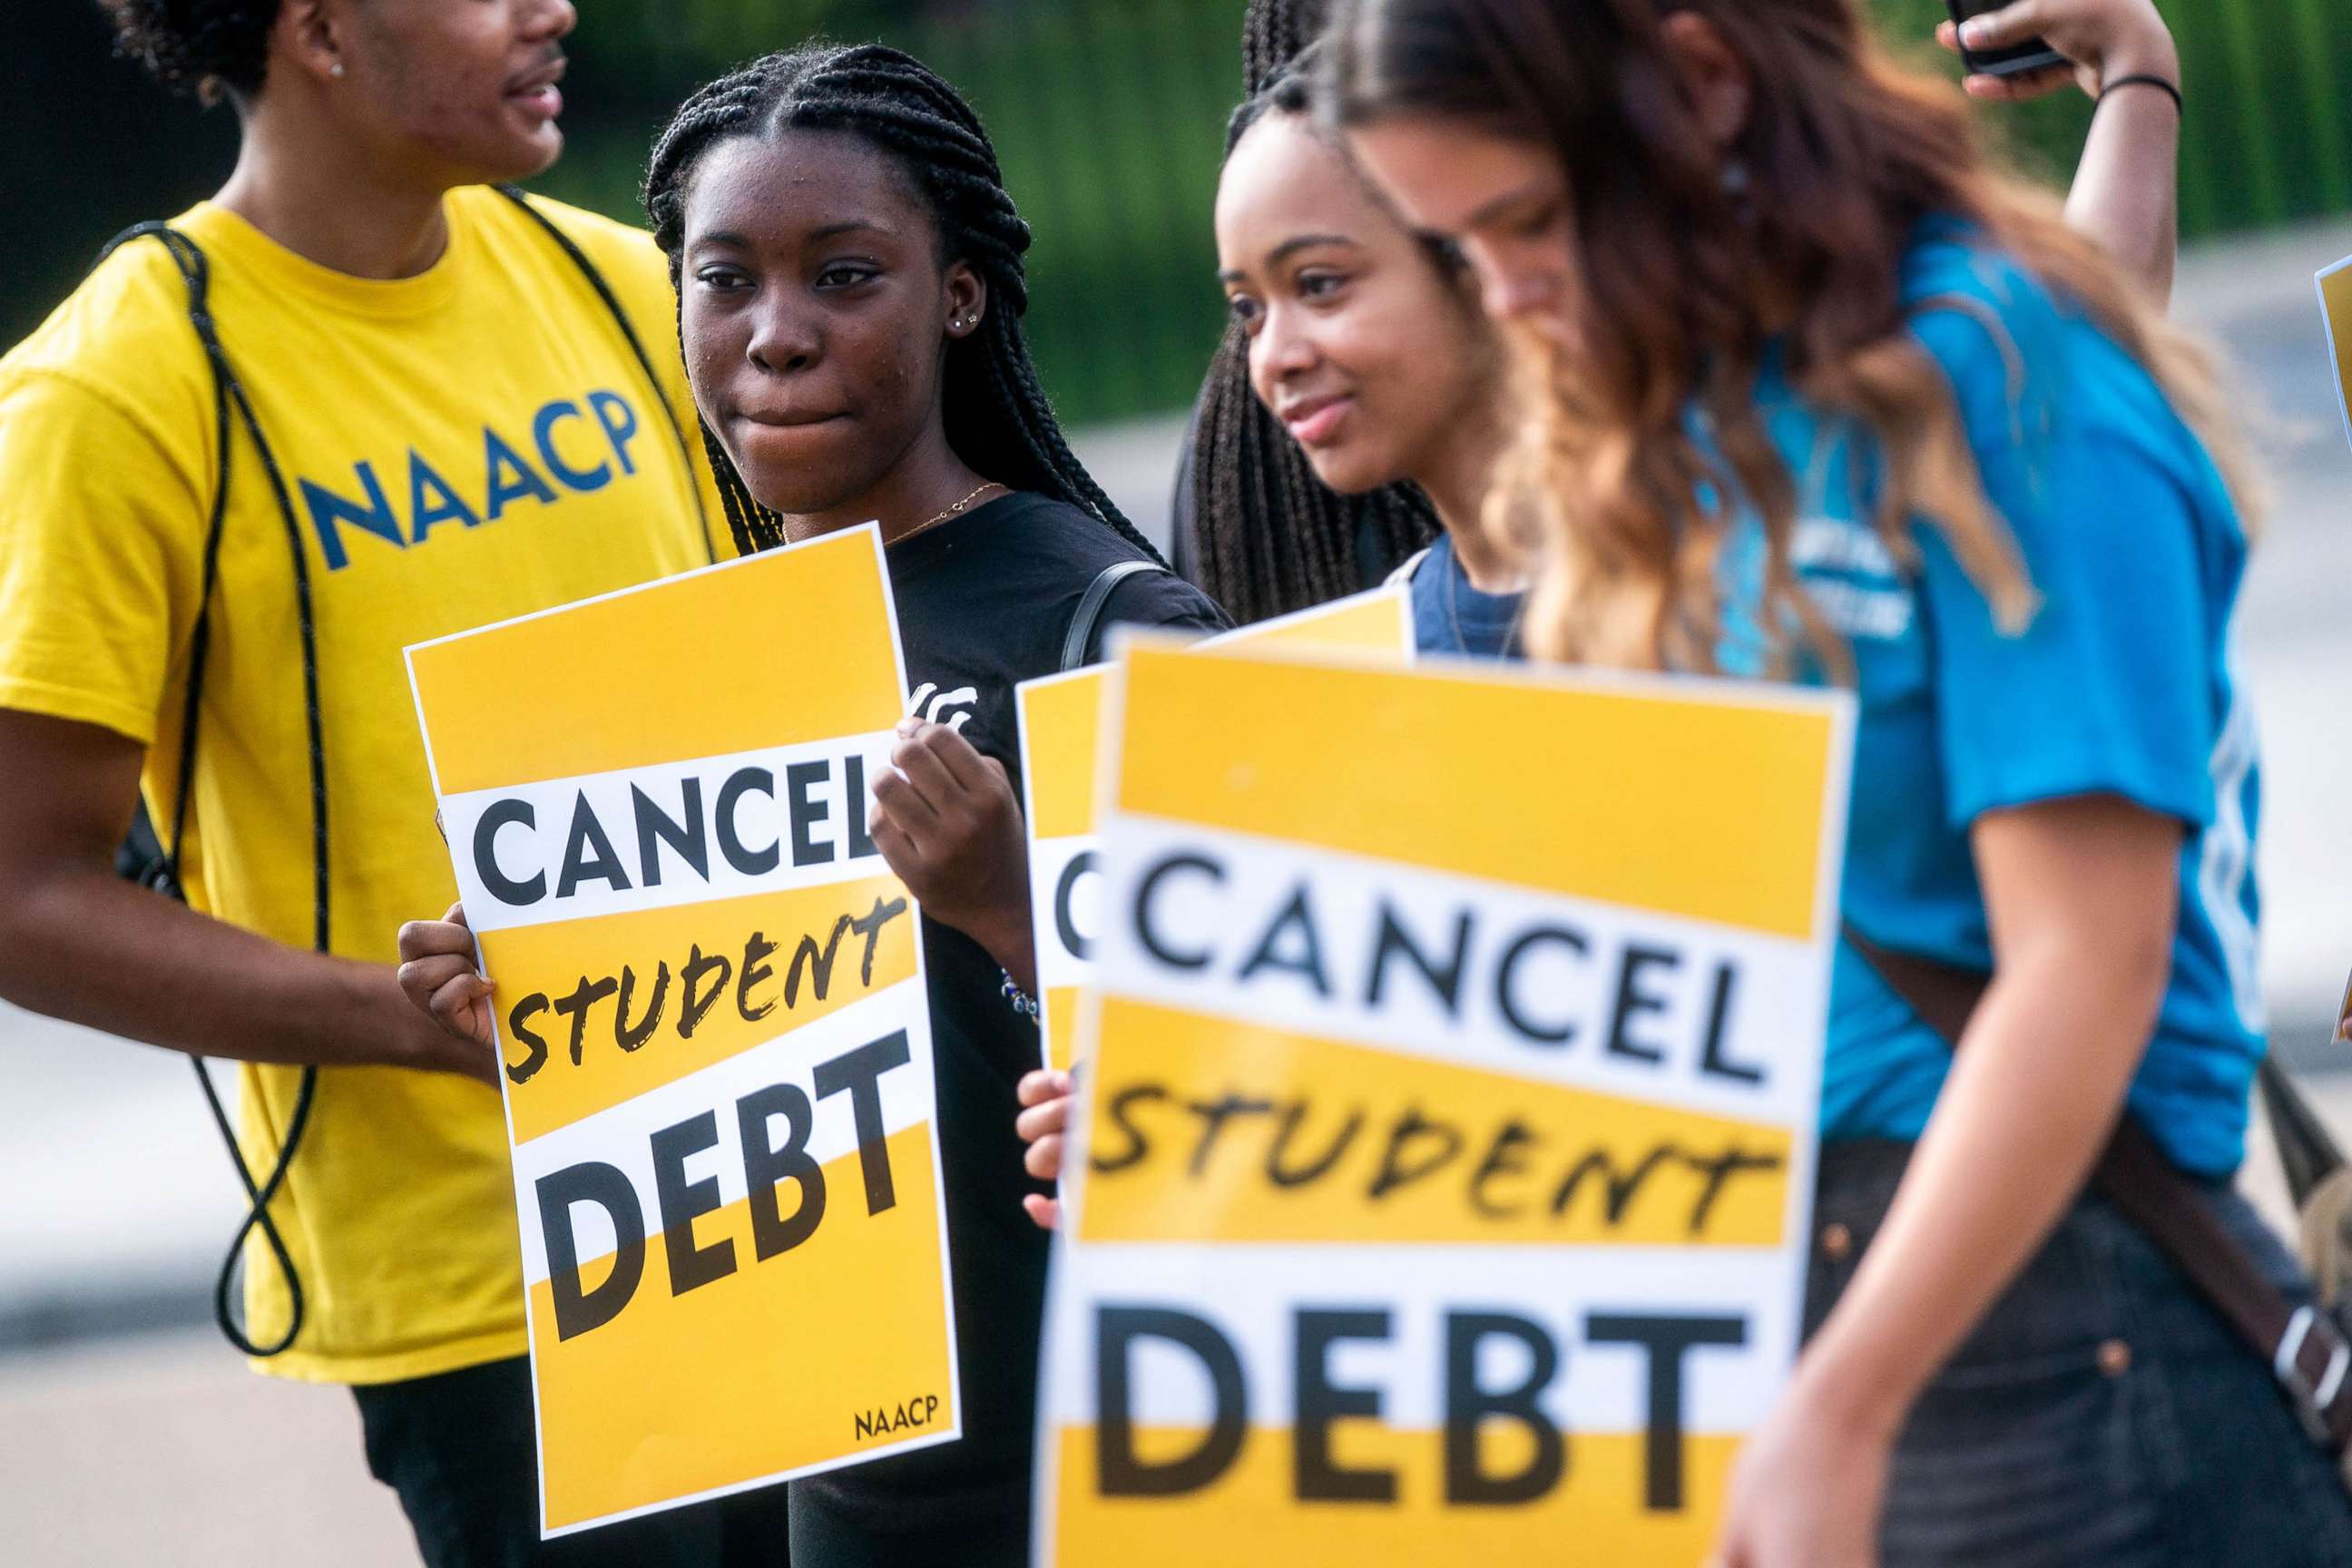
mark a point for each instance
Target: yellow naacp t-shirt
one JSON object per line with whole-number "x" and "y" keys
{"x": 469, "y": 444}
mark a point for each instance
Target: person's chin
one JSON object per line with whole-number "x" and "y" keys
{"x": 794, "y": 485}
{"x": 521, "y": 153}
{"x": 538, "y": 152}
{"x": 1350, "y": 471}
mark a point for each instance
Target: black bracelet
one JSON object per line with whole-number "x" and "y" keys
{"x": 2168, "y": 88}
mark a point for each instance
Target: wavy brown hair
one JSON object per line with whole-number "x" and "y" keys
{"x": 1680, "y": 285}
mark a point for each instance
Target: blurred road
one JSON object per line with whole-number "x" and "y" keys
{"x": 128, "y": 1435}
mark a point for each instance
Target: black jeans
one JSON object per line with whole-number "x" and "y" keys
{"x": 458, "y": 1449}
{"x": 2102, "y": 1415}
{"x": 826, "y": 1535}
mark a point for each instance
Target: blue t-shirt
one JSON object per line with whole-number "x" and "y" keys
{"x": 1449, "y": 615}
{"x": 2121, "y": 684}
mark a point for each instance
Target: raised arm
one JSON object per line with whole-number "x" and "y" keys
{"x": 2126, "y": 193}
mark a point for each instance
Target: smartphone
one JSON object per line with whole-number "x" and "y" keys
{"x": 2018, "y": 59}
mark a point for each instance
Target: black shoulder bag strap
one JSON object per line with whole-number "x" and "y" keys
{"x": 578, "y": 259}
{"x": 2302, "y": 1345}
{"x": 1089, "y": 614}
{"x": 163, "y": 873}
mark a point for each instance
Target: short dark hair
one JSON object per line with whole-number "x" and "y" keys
{"x": 197, "y": 47}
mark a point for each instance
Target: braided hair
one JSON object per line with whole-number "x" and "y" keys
{"x": 998, "y": 419}
{"x": 1275, "y": 33}
{"x": 1266, "y": 535}
{"x": 196, "y": 46}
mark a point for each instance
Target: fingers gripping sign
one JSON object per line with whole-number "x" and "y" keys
{"x": 946, "y": 822}
{"x": 437, "y": 974}
{"x": 1046, "y": 1098}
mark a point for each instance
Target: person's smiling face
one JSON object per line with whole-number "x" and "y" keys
{"x": 1358, "y": 340}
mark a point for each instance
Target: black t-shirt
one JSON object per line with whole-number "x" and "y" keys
{"x": 985, "y": 602}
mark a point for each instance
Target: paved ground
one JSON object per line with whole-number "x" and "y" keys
{"x": 129, "y": 1436}
{"x": 163, "y": 1450}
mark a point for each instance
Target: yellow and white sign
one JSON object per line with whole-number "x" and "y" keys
{"x": 1446, "y": 1149}
{"x": 710, "y": 1006}
{"x": 2335, "y": 315}
{"x": 1061, "y": 723}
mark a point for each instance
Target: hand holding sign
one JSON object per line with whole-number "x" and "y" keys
{"x": 946, "y": 822}
{"x": 717, "y": 1057}
{"x": 1060, "y": 721}
{"x": 437, "y": 974}
{"x": 1046, "y": 1097}
{"x": 1438, "y": 1187}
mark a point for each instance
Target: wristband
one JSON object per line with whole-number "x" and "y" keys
{"x": 2168, "y": 88}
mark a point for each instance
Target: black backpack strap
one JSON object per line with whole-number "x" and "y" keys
{"x": 1085, "y": 618}
{"x": 2302, "y": 1346}
{"x": 578, "y": 259}
{"x": 163, "y": 872}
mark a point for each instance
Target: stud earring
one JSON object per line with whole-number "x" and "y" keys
{"x": 336, "y": 71}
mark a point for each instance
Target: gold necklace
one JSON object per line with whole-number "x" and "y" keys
{"x": 950, "y": 512}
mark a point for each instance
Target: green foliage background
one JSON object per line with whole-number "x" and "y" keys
{"x": 1109, "y": 115}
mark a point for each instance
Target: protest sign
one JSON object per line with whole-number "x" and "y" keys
{"x": 1060, "y": 725}
{"x": 2336, "y": 316}
{"x": 1445, "y": 1153}
{"x": 710, "y": 1008}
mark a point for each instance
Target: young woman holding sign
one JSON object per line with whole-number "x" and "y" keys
{"x": 1365, "y": 339}
{"x": 851, "y": 287}
{"x": 1356, "y": 407}
{"x": 1825, "y": 398}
